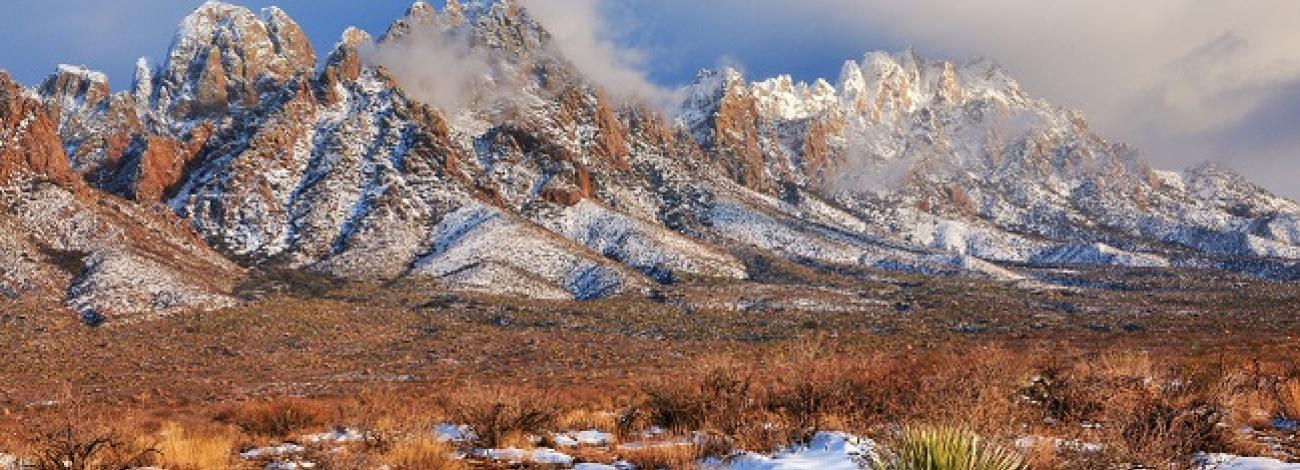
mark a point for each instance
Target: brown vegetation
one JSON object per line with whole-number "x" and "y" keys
{"x": 1082, "y": 379}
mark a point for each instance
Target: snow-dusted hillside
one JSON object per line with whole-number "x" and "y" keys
{"x": 534, "y": 182}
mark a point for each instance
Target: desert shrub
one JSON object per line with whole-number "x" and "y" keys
{"x": 276, "y": 418}
{"x": 977, "y": 390}
{"x": 806, "y": 398}
{"x": 179, "y": 449}
{"x": 498, "y": 414}
{"x": 421, "y": 453}
{"x": 1154, "y": 429}
{"x": 719, "y": 400}
{"x": 1062, "y": 397}
{"x": 80, "y": 444}
{"x": 945, "y": 449}
{"x": 385, "y": 418}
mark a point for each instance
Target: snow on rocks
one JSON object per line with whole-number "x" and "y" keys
{"x": 337, "y": 435}
{"x": 483, "y": 248}
{"x": 1098, "y": 254}
{"x": 541, "y": 455}
{"x": 652, "y": 249}
{"x": 1233, "y": 462}
{"x": 601, "y": 466}
{"x": 290, "y": 466}
{"x": 1028, "y": 442}
{"x": 11, "y": 462}
{"x": 273, "y": 451}
{"x": 453, "y": 433}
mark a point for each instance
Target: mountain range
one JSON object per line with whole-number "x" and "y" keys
{"x": 247, "y": 151}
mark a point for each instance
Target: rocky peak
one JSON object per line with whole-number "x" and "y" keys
{"x": 722, "y": 114}
{"x": 504, "y": 26}
{"x": 94, "y": 125}
{"x": 225, "y": 55}
{"x": 30, "y": 148}
{"x": 453, "y": 14}
{"x": 419, "y": 15}
{"x": 76, "y": 87}
{"x": 291, "y": 44}
{"x": 344, "y": 63}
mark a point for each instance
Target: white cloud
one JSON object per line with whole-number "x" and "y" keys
{"x": 1179, "y": 78}
{"x": 434, "y": 68}
{"x": 584, "y": 34}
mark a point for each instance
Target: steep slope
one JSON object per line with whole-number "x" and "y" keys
{"x": 104, "y": 257}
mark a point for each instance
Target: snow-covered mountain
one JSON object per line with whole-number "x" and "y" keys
{"x": 254, "y": 154}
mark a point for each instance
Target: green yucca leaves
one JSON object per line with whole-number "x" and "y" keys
{"x": 945, "y": 449}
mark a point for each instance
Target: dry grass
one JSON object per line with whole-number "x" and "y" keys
{"x": 583, "y": 419}
{"x": 1289, "y": 398}
{"x": 674, "y": 457}
{"x": 422, "y": 453}
{"x": 1154, "y": 408}
{"x": 180, "y": 449}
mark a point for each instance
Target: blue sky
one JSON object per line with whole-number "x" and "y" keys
{"x": 1186, "y": 81}
{"x": 109, "y": 35}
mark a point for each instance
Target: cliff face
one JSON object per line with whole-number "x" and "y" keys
{"x": 29, "y": 142}
{"x": 238, "y": 152}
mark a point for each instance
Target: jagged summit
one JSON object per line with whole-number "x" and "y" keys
{"x": 224, "y": 54}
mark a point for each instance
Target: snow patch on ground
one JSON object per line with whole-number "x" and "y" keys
{"x": 539, "y": 455}
{"x": 590, "y": 437}
{"x": 826, "y": 451}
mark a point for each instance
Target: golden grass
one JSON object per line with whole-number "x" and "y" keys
{"x": 1289, "y": 398}
{"x": 421, "y": 453}
{"x": 583, "y": 419}
{"x": 675, "y": 457}
{"x": 179, "y": 449}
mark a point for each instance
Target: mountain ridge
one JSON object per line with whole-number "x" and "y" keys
{"x": 257, "y": 155}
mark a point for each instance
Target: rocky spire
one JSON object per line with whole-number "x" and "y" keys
{"x": 343, "y": 65}
{"x": 142, "y": 83}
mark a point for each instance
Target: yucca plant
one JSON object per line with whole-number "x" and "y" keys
{"x": 943, "y": 448}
